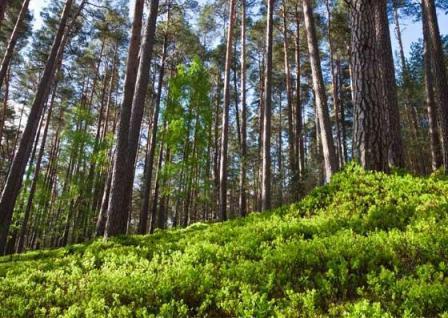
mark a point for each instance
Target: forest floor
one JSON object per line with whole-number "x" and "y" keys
{"x": 365, "y": 245}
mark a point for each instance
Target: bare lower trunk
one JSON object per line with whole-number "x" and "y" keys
{"x": 266, "y": 195}
{"x": 329, "y": 152}
{"x": 225, "y": 117}
{"x": 243, "y": 164}
{"x": 438, "y": 71}
{"x": 370, "y": 122}
{"x": 389, "y": 87}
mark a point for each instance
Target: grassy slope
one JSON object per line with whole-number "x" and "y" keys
{"x": 367, "y": 245}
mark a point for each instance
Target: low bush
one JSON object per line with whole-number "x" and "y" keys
{"x": 365, "y": 245}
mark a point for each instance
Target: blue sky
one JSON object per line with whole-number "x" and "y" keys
{"x": 411, "y": 30}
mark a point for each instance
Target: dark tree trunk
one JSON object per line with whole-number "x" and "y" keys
{"x": 439, "y": 72}
{"x": 389, "y": 86}
{"x": 28, "y": 207}
{"x": 370, "y": 121}
{"x": 117, "y": 209}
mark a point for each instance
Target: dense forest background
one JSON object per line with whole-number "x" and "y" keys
{"x": 122, "y": 117}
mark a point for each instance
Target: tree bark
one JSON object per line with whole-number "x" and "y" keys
{"x": 117, "y": 209}
{"x": 225, "y": 117}
{"x": 329, "y": 152}
{"x": 434, "y": 136}
{"x": 389, "y": 86}
{"x": 289, "y": 96}
{"x": 243, "y": 164}
{"x": 439, "y": 72}
{"x": 143, "y": 220}
{"x": 266, "y": 195}
{"x": 40, "y": 155}
{"x": 14, "y": 180}
{"x": 300, "y": 147}
{"x": 370, "y": 122}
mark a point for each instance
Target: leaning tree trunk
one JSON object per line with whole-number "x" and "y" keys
{"x": 116, "y": 207}
{"x": 266, "y": 195}
{"x": 225, "y": 118}
{"x": 439, "y": 72}
{"x": 12, "y": 41}
{"x": 326, "y": 135}
{"x": 14, "y": 180}
{"x": 28, "y": 207}
{"x": 370, "y": 122}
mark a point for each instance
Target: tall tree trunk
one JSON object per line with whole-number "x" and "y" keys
{"x": 225, "y": 117}
{"x": 335, "y": 88}
{"x": 329, "y": 152}
{"x": 14, "y": 180}
{"x": 12, "y": 41}
{"x": 243, "y": 164}
{"x": 117, "y": 210}
{"x": 266, "y": 193}
{"x": 389, "y": 86}
{"x": 300, "y": 147}
{"x": 439, "y": 72}
{"x": 143, "y": 220}
{"x": 291, "y": 136}
{"x": 434, "y": 136}
{"x": 370, "y": 127}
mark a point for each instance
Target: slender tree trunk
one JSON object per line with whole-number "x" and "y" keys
{"x": 434, "y": 136}
{"x": 439, "y": 72}
{"x": 266, "y": 193}
{"x": 117, "y": 209}
{"x": 289, "y": 96}
{"x": 370, "y": 122}
{"x": 335, "y": 88}
{"x": 243, "y": 164}
{"x": 15, "y": 175}
{"x": 329, "y": 152}
{"x": 143, "y": 220}
{"x": 12, "y": 41}
{"x": 225, "y": 117}
{"x": 300, "y": 147}
{"x": 4, "y": 106}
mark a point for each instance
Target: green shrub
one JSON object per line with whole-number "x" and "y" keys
{"x": 365, "y": 245}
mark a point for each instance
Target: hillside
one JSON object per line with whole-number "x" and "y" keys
{"x": 366, "y": 245}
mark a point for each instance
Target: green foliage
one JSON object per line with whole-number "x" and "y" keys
{"x": 366, "y": 245}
